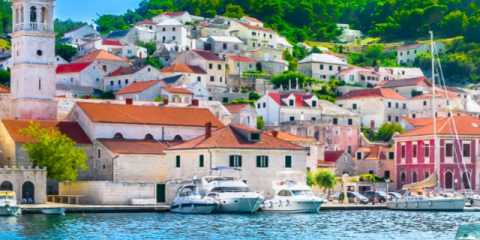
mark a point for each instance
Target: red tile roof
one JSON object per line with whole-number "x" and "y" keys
{"x": 230, "y": 137}
{"x": 72, "y": 67}
{"x": 418, "y": 122}
{"x": 257, "y": 27}
{"x": 372, "y": 93}
{"x": 148, "y": 115}
{"x": 100, "y": 55}
{"x": 4, "y": 89}
{"x": 446, "y": 126}
{"x": 252, "y": 19}
{"x": 144, "y": 147}
{"x": 207, "y": 55}
{"x": 112, "y": 43}
{"x": 138, "y": 87}
{"x": 71, "y": 129}
{"x": 173, "y": 14}
{"x": 125, "y": 71}
{"x": 405, "y": 82}
{"x": 239, "y": 58}
{"x": 286, "y": 136}
{"x": 438, "y": 93}
{"x": 178, "y": 90}
{"x": 299, "y": 98}
{"x": 332, "y": 156}
{"x": 183, "y": 69}
{"x": 234, "y": 108}
{"x": 146, "y": 22}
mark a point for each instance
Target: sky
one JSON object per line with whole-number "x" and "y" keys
{"x": 87, "y": 10}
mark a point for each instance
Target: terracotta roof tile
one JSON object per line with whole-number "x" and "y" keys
{"x": 100, "y": 55}
{"x": 146, "y": 22}
{"x": 405, "y": 82}
{"x": 72, "y": 67}
{"x": 207, "y": 55}
{"x": 257, "y": 27}
{"x": 438, "y": 93}
{"x": 299, "y": 98}
{"x": 233, "y": 108}
{"x": 252, "y": 19}
{"x": 148, "y": 115}
{"x": 230, "y": 137}
{"x": 125, "y": 71}
{"x": 145, "y": 147}
{"x": 4, "y": 89}
{"x": 418, "y": 122}
{"x": 239, "y": 58}
{"x": 173, "y": 14}
{"x": 112, "y": 43}
{"x": 446, "y": 126}
{"x": 291, "y": 137}
{"x": 332, "y": 156}
{"x": 372, "y": 93}
{"x": 182, "y": 68}
{"x": 138, "y": 86}
{"x": 71, "y": 129}
{"x": 177, "y": 90}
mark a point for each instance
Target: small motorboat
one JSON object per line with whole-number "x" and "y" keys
{"x": 189, "y": 199}
{"x": 292, "y": 195}
{"x": 8, "y": 204}
{"x": 54, "y": 211}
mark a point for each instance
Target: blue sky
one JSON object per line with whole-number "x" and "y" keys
{"x": 86, "y": 10}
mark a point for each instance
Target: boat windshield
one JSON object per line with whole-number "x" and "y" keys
{"x": 230, "y": 189}
{"x": 302, "y": 192}
{"x": 6, "y": 197}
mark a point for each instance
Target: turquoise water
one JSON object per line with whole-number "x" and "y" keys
{"x": 326, "y": 225}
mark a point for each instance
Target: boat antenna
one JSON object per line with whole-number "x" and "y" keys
{"x": 434, "y": 112}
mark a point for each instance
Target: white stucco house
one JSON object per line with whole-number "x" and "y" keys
{"x": 321, "y": 66}
{"x": 124, "y": 76}
{"x": 86, "y": 74}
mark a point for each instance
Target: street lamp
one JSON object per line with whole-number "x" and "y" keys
{"x": 344, "y": 180}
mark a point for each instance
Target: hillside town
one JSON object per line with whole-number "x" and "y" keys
{"x": 178, "y": 95}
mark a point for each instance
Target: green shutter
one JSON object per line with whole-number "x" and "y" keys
{"x": 232, "y": 161}
{"x": 239, "y": 161}
{"x": 178, "y": 161}
{"x": 202, "y": 161}
{"x": 258, "y": 161}
{"x": 266, "y": 161}
{"x": 288, "y": 161}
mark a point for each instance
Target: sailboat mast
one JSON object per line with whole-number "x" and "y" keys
{"x": 436, "y": 147}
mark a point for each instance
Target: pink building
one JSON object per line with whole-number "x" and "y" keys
{"x": 415, "y": 153}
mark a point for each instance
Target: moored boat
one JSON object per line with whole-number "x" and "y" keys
{"x": 292, "y": 195}
{"x": 8, "y": 204}
{"x": 189, "y": 199}
{"x": 54, "y": 211}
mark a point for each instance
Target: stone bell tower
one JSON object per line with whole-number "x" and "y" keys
{"x": 33, "y": 55}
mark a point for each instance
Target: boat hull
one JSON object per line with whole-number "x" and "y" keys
{"x": 305, "y": 206}
{"x": 239, "y": 205}
{"x": 428, "y": 205}
{"x": 10, "y": 211}
{"x": 54, "y": 211}
{"x": 194, "y": 208}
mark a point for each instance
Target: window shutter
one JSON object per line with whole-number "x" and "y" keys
{"x": 288, "y": 161}
{"x": 258, "y": 161}
{"x": 232, "y": 161}
{"x": 266, "y": 161}
{"x": 239, "y": 161}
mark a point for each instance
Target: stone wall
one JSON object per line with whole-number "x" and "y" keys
{"x": 108, "y": 193}
{"x": 18, "y": 177}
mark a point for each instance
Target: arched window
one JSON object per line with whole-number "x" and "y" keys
{"x": 466, "y": 180}
{"x": 414, "y": 177}
{"x": 33, "y": 15}
{"x": 448, "y": 180}
{"x": 402, "y": 178}
{"x": 427, "y": 174}
{"x": 178, "y": 138}
{"x": 118, "y": 136}
{"x": 6, "y": 186}
{"x": 44, "y": 15}
{"x": 149, "y": 137}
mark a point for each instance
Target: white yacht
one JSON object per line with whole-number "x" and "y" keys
{"x": 292, "y": 195}
{"x": 8, "y": 204}
{"x": 189, "y": 199}
{"x": 232, "y": 193}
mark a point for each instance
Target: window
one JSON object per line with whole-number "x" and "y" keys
{"x": 350, "y": 121}
{"x": 404, "y": 106}
{"x": 235, "y": 161}
{"x": 99, "y": 153}
{"x": 259, "y": 105}
{"x": 321, "y": 66}
{"x": 396, "y": 105}
{"x": 335, "y": 121}
{"x": 389, "y": 118}
{"x": 291, "y": 102}
{"x": 415, "y": 151}
{"x": 403, "y": 151}
{"x": 349, "y": 149}
{"x": 389, "y": 104}
{"x": 427, "y": 150}
{"x": 426, "y": 174}
{"x": 219, "y": 66}
{"x": 118, "y": 136}
{"x": 199, "y": 79}
{"x": 371, "y": 172}
{"x": 354, "y": 106}
{"x": 339, "y": 68}
{"x": 391, "y": 155}
{"x": 210, "y": 66}
{"x": 386, "y": 174}
{"x": 292, "y": 118}
{"x": 314, "y": 103}
{"x": 111, "y": 83}
{"x": 448, "y": 150}
{"x": 255, "y": 136}
{"x": 264, "y": 105}
{"x": 414, "y": 177}
{"x": 212, "y": 79}
{"x": 224, "y": 46}
{"x": 201, "y": 161}
{"x": 288, "y": 161}
{"x": 359, "y": 156}
{"x": 424, "y": 103}
{"x": 178, "y": 161}
{"x": 466, "y": 150}
{"x": 126, "y": 81}
{"x": 330, "y": 68}
{"x": 262, "y": 161}
{"x": 173, "y": 29}
{"x": 396, "y": 119}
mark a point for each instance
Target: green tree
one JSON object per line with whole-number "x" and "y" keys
{"x": 56, "y": 152}
{"x": 290, "y": 78}
{"x": 473, "y": 28}
{"x": 387, "y": 130}
{"x": 234, "y": 11}
{"x": 150, "y": 46}
{"x": 253, "y": 96}
{"x": 325, "y": 180}
{"x": 154, "y": 62}
{"x": 454, "y": 23}
{"x": 5, "y": 77}
{"x": 310, "y": 179}
{"x": 260, "y": 123}
{"x": 108, "y": 23}
{"x": 65, "y": 51}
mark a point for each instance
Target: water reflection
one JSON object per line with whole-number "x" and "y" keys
{"x": 326, "y": 225}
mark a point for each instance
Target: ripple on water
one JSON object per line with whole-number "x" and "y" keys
{"x": 325, "y": 225}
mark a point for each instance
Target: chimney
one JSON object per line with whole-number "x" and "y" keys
{"x": 377, "y": 68}
{"x": 195, "y": 102}
{"x": 129, "y": 101}
{"x": 275, "y": 133}
{"x": 208, "y": 130}
{"x": 165, "y": 101}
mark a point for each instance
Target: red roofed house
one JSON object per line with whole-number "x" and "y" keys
{"x": 221, "y": 45}
{"x": 124, "y": 76}
{"x": 339, "y": 162}
{"x": 415, "y": 153}
{"x": 108, "y": 61}
{"x": 375, "y": 106}
{"x": 377, "y": 159}
{"x": 141, "y": 91}
{"x": 243, "y": 114}
{"x": 237, "y": 64}
{"x": 421, "y": 106}
{"x": 210, "y": 63}
{"x": 251, "y": 21}
{"x": 177, "y": 96}
{"x": 259, "y": 155}
{"x": 194, "y": 73}
{"x": 409, "y": 87}
{"x": 73, "y": 77}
